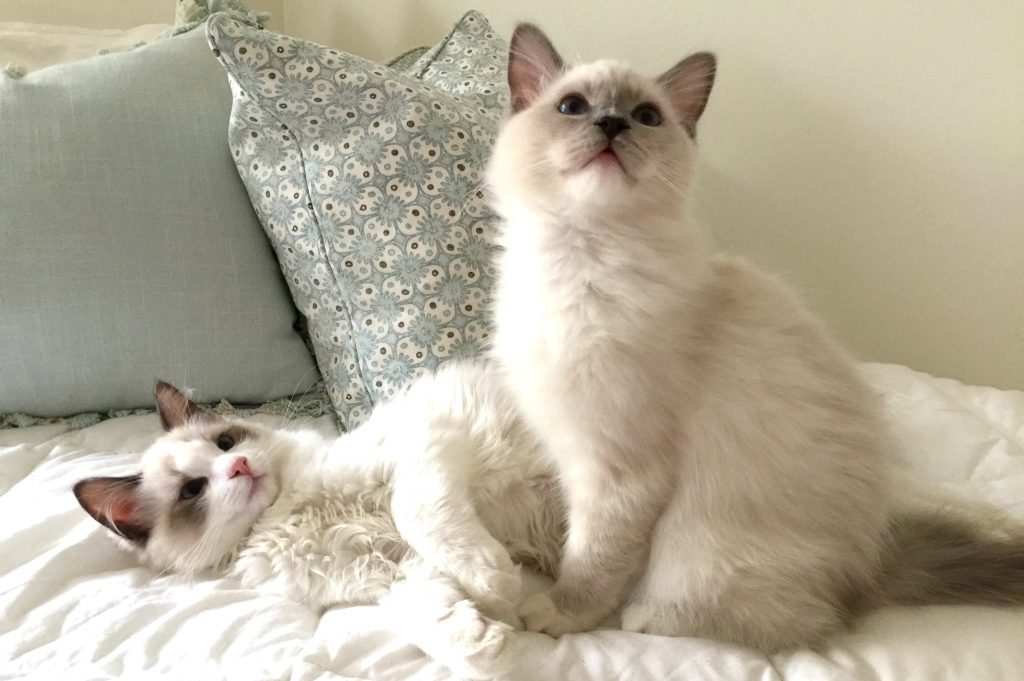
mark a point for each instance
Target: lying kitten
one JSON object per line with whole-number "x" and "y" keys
{"x": 716, "y": 446}
{"x": 419, "y": 509}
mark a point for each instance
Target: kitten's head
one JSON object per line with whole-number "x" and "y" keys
{"x": 202, "y": 486}
{"x": 597, "y": 137}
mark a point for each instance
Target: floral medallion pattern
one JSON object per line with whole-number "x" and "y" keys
{"x": 368, "y": 183}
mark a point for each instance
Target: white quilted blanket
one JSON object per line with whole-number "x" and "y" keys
{"x": 71, "y": 607}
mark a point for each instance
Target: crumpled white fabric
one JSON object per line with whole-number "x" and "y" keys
{"x": 71, "y": 606}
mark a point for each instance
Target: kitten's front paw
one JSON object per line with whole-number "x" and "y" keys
{"x": 492, "y": 580}
{"x": 480, "y": 648}
{"x": 539, "y": 613}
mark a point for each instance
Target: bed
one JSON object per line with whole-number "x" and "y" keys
{"x": 73, "y": 606}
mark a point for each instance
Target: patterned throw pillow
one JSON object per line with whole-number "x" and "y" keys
{"x": 368, "y": 182}
{"x": 470, "y": 60}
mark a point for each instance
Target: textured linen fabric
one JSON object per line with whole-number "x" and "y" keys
{"x": 128, "y": 247}
{"x": 368, "y": 182}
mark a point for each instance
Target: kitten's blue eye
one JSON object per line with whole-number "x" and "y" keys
{"x": 647, "y": 114}
{"x": 573, "y": 105}
{"x": 225, "y": 442}
{"x": 193, "y": 488}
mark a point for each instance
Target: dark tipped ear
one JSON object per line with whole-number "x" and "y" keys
{"x": 688, "y": 84}
{"x": 114, "y": 503}
{"x": 174, "y": 407}
{"x": 533, "y": 64}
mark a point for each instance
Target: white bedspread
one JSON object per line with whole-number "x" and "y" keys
{"x": 71, "y": 606}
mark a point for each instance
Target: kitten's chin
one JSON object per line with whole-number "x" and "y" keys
{"x": 262, "y": 494}
{"x": 601, "y": 182}
{"x": 255, "y": 495}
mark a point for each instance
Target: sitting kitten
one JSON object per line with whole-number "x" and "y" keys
{"x": 725, "y": 469}
{"x": 419, "y": 509}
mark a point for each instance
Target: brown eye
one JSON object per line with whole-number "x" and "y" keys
{"x": 225, "y": 442}
{"x": 647, "y": 114}
{"x": 573, "y": 105}
{"x": 192, "y": 489}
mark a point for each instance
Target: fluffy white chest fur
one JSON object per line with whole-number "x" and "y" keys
{"x": 325, "y": 548}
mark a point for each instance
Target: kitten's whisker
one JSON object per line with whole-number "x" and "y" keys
{"x": 293, "y": 405}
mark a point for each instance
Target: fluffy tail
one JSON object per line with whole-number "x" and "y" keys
{"x": 946, "y": 558}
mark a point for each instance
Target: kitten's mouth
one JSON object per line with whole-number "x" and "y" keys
{"x": 608, "y": 157}
{"x": 255, "y": 485}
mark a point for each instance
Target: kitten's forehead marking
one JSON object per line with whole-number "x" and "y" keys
{"x": 608, "y": 82}
{"x": 211, "y": 430}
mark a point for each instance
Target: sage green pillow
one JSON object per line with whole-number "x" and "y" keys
{"x": 129, "y": 249}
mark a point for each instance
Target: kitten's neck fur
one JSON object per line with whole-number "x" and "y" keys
{"x": 311, "y": 463}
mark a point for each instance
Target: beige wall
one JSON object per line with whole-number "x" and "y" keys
{"x": 872, "y": 152}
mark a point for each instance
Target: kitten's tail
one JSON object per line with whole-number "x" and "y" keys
{"x": 949, "y": 558}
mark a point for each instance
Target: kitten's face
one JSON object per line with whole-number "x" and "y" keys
{"x": 205, "y": 483}
{"x": 597, "y": 139}
{"x": 200, "y": 489}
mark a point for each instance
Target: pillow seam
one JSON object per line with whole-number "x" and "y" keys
{"x": 440, "y": 47}
{"x": 321, "y": 244}
{"x": 320, "y": 240}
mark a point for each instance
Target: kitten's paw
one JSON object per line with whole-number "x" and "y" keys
{"x": 479, "y": 648}
{"x": 492, "y": 580}
{"x": 539, "y": 613}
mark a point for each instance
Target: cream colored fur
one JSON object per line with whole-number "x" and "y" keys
{"x": 422, "y": 509}
{"x": 724, "y": 466}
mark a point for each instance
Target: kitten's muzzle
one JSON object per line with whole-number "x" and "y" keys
{"x": 612, "y": 125}
{"x": 240, "y": 466}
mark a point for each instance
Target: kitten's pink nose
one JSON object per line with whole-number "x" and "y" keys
{"x": 239, "y": 466}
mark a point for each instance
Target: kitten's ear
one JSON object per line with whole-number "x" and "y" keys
{"x": 533, "y": 64}
{"x": 688, "y": 84}
{"x": 174, "y": 407}
{"x": 114, "y": 503}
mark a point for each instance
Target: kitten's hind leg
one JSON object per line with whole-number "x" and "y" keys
{"x": 764, "y": 606}
{"x": 437, "y": 616}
